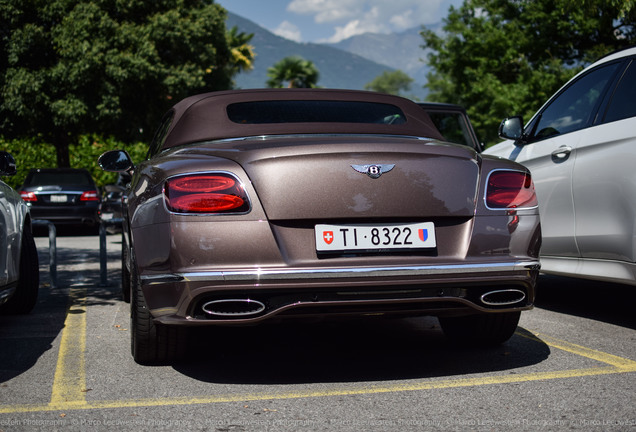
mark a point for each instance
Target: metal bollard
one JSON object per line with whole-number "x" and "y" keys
{"x": 52, "y": 249}
{"x": 103, "y": 258}
{"x": 103, "y": 255}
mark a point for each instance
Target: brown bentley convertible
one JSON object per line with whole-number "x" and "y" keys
{"x": 255, "y": 205}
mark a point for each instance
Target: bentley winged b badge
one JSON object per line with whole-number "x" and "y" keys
{"x": 373, "y": 170}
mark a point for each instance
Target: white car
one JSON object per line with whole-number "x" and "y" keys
{"x": 581, "y": 149}
{"x": 19, "y": 268}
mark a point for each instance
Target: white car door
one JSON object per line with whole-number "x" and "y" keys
{"x": 551, "y": 163}
{"x": 552, "y": 151}
{"x": 604, "y": 181}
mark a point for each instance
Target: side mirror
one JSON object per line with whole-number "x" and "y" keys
{"x": 7, "y": 164}
{"x": 511, "y": 128}
{"x": 116, "y": 161}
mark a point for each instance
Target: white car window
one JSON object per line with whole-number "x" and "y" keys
{"x": 623, "y": 103}
{"x": 573, "y": 108}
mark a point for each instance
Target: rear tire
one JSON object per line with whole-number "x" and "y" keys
{"x": 26, "y": 293}
{"x": 487, "y": 329}
{"x": 151, "y": 343}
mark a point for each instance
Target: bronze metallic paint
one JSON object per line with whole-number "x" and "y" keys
{"x": 302, "y": 177}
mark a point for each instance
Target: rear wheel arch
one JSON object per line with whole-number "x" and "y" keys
{"x": 151, "y": 343}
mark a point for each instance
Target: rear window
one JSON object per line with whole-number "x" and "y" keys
{"x": 58, "y": 178}
{"x": 294, "y": 111}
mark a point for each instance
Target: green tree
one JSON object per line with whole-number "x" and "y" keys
{"x": 241, "y": 50}
{"x": 506, "y": 57}
{"x": 293, "y": 72}
{"x": 106, "y": 67}
{"x": 391, "y": 82}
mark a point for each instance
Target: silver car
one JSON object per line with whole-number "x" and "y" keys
{"x": 581, "y": 149}
{"x": 19, "y": 277}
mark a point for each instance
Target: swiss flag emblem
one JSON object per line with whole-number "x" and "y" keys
{"x": 327, "y": 236}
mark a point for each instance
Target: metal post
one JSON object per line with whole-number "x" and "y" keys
{"x": 103, "y": 257}
{"x": 52, "y": 254}
{"x": 52, "y": 249}
{"x": 103, "y": 254}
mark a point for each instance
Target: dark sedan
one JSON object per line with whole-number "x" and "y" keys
{"x": 62, "y": 196}
{"x": 258, "y": 205}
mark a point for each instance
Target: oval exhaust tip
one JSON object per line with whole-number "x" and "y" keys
{"x": 503, "y": 297}
{"x": 233, "y": 307}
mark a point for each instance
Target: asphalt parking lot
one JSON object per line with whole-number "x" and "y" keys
{"x": 67, "y": 366}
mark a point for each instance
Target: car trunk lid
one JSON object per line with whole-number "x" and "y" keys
{"x": 359, "y": 177}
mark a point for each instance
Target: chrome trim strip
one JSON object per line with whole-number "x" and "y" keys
{"x": 309, "y": 135}
{"x": 162, "y": 278}
{"x": 62, "y": 192}
{"x": 327, "y": 273}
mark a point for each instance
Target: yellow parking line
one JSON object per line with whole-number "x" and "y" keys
{"x": 69, "y": 383}
{"x": 69, "y": 393}
{"x": 618, "y": 362}
{"x": 419, "y": 386}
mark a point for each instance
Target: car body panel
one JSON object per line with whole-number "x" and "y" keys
{"x": 605, "y": 203}
{"x": 273, "y": 165}
{"x": 13, "y": 213}
{"x": 553, "y": 181}
{"x": 584, "y": 178}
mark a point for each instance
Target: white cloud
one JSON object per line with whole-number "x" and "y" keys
{"x": 403, "y": 20}
{"x": 288, "y": 31}
{"x": 352, "y": 17}
{"x": 352, "y": 28}
{"x": 326, "y": 10}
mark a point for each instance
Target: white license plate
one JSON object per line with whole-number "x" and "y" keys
{"x": 336, "y": 238}
{"x": 59, "y": 198}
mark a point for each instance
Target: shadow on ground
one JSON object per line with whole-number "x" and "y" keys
{"x": 601, "y": 301}
{"x": 347, "y": 351}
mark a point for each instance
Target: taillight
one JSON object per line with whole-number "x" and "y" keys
{"x": 89, "y": 196}
{"x": 510, "y": 190}
{"x": 28, "y": 196}
{"x": 206, "y": 193}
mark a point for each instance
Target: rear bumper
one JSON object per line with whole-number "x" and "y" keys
{"x": 185, "y": 299}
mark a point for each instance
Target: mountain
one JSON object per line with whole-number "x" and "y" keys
{"x": 401, "y": 51}
{"x": 338, "y": 68}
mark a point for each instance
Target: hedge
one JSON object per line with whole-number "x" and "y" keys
{"x": 30, "y": 153}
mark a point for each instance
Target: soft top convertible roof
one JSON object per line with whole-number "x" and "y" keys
{"x": 244, "y": 113}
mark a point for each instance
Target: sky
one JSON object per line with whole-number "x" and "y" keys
{"x": 330, "y": 21}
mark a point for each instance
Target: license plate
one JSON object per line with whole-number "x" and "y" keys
{"x": 336, "y": 238}
{"x": 58, "y": 198}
